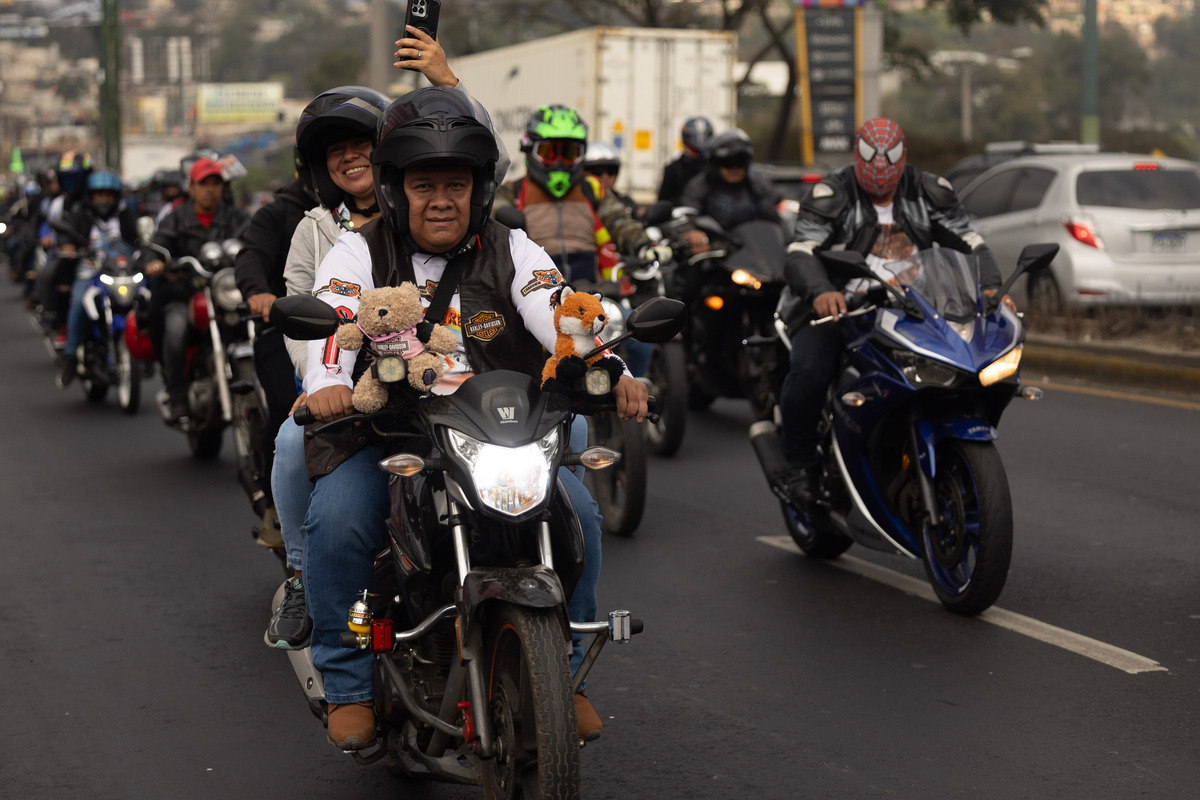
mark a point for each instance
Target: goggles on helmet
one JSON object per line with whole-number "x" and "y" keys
{"x": 553, "y": 151}
{"x": 602, "y": 169}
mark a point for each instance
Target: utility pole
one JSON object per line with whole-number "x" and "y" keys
{"x": 1089, "y": 132}
{"x": 380, "y": 47}
{"x": 110, "y": 91}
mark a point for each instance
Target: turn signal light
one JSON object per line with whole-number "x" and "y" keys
{"x": 599, "y": 457}
{"x": 714, "y": 302}
{"x": 403, "y": 464}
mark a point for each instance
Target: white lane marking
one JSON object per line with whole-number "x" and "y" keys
{"x": 1043, "y": 632}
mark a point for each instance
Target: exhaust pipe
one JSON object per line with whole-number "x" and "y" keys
{"x": 764, "y": 436}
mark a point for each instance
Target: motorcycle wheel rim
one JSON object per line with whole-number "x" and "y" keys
{"x": 952, "y": 548}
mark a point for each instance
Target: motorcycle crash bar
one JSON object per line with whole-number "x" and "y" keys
{"x": 620, "y": 628}
{"x": 380, "y": 637}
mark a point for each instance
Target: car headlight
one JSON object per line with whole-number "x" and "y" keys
{"x": 616, "y": 320}
{"x": 1003, "y": 367}
{"x": 509, "y": 480}
{"x": 225, "y": 292}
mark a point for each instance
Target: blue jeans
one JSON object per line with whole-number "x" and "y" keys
{"x": 345, "y": 528}
{"x": 291, "y": 489}
{"x": 77, "y": 316}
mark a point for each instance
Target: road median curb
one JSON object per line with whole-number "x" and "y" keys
{"x": 1153, "y": 370}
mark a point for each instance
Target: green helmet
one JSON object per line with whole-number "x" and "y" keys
{"x": 554, "y": 143}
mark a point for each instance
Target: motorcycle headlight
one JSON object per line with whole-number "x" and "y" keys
{"x": 743, "y": 278}
{"x": 509, "y": 480}
{"x": 225, "y": 291}
{"x": 1003, "y": 367}
{"x": 616, "y": 320}
{"x": 391, "y": 369}
{"x": 211, "y": 254}
{"x": 922, "y": 371}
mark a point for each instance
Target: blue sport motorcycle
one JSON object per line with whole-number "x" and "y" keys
{"x": 907, "y": 461}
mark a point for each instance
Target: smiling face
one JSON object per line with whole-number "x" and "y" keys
{"x": 349, "y": 165}
{"x": 439, "y": 205}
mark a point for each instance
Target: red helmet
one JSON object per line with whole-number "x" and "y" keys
{"x": 879, "y": 158}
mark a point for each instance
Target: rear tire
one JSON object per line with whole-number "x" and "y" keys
{"x": 668, "y": 374}
{"x": 815, "y": 537}
{"x": 1045, "y": 298}
{"x": 531, "y": 706}
{"x": 206, "y": 443}
{"x": 620, "y": 490}
{"x": 967, "y": 556}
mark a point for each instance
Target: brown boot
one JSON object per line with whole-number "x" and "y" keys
{"x": 589, "y": 720}
{"x": 351, "y": 727}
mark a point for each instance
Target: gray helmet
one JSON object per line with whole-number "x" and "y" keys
{"x": 695, "y": 132}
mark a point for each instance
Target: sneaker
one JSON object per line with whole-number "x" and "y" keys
{"x": 268, "y": 533}
{"x": 801, "y": 483}
{"x": 290, "y": 626}
{"x": 351, "y": 727}
{"x": 590, "y": 726}
{"x": 68, "y": 367}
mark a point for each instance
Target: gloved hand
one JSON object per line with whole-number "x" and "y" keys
{"x": 656, "y": 252}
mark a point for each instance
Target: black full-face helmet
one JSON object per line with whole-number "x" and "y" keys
{"x": 433, "y": 126}
{"x": 731, "y": 148}
{"x": 333, "y": 116}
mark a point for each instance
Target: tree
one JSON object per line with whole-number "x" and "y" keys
{"x": 337, "y": 67}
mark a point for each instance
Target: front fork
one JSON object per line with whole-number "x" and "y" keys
{"x": 466, "y": 674}
{"x": 220, "y": 363}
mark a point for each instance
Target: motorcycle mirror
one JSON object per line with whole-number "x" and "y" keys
{"x": 657, "y": 320}
{"x": 511, "y": 217}
{"x": 145, "y": 230}
{"x": 1033, "y": 257}
{"x": 303, "y": 317}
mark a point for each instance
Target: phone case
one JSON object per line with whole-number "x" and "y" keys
{"x": 423, "y": 14}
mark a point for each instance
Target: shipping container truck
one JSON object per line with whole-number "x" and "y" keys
{"x": 634, "y": 87}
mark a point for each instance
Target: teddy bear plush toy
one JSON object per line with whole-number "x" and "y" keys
{"x": 387, "y": 325}
{"x": 579, "y": 318}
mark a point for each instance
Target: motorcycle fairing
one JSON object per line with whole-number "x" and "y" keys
{"x": 498, "y": 407}
{"x": 932, "y": 431}
{"x": 934, "y": 338}
{"x": 869, "y": 518}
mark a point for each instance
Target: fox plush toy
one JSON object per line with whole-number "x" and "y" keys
{"x": 578, "y": 318}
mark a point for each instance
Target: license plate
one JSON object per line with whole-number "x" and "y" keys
{"x": 1168, "y": 242}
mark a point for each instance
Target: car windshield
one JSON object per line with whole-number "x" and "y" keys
{"x": 947, "y": 279}
{"x": 1139, "y": 188}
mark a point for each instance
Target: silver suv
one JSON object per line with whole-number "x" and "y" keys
{"x": 1128, "y": 227}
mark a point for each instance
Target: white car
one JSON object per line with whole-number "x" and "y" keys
{"x": 1128, "y": 227}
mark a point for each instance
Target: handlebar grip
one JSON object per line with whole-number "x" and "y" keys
{"x": 303, "y": 416}
{"x": 348, "y": 639}
{"x": 636, "y": 626}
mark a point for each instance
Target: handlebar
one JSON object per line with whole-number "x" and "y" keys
{"x": 858, "y": 312}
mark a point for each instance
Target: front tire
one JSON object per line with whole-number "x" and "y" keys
{"x": 620, "y": 490}
{"x": 967, "y": 555}
{"x": 668, "y": 374}
{"x": 531, "y": 707}
{"x": 129, "y": 379}
{"x": 206, "y": 443}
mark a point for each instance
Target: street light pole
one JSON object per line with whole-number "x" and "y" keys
{"x": 110, "y": 93}
{"x": 1089, "y": 132}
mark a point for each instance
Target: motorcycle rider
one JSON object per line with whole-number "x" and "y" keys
{"x": 695, "y": 132}
{"x": 103, "y": 219}
{"x": 169, "y": 184}
{"x": 885, "y": 209}
{"x": 580, "y": 225}
{"x": 204, "y": 217}
{"x": 603, "y": 162}
{"x": 332, "y": 141}
{"x": 333, "y": 145}
{"x": 434, "y": 167}
{"x": 730, "y": 189}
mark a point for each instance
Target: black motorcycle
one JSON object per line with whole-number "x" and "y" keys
{"x": 731, "y": 292}
{"x": 467, "y": 614}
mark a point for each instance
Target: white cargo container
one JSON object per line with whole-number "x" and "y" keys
{"x": 634, "y": 87}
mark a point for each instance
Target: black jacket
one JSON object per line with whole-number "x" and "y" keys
{"x": 837, "y": 213}
{"x": 259, "y": 265}
{"x": 732, "y": 204}
{"x": 181, "y": 233}
{"x": 82, "y": 217}
{"x": 675, "y": 177}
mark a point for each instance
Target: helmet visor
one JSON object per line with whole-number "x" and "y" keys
{"x": 556, "y": 151}
{"x": 733, "y": 160}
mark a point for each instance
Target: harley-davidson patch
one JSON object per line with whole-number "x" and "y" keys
{"x": 542, "y": 279}
{"x": 340, "y": 288}
{"x": 484, "y": 326}
{"x": 427, "y": 290}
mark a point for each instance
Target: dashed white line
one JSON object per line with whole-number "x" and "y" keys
{"x": 1068, "y": 640}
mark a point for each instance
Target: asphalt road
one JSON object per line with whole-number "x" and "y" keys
{"x": 133, "y": 602}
